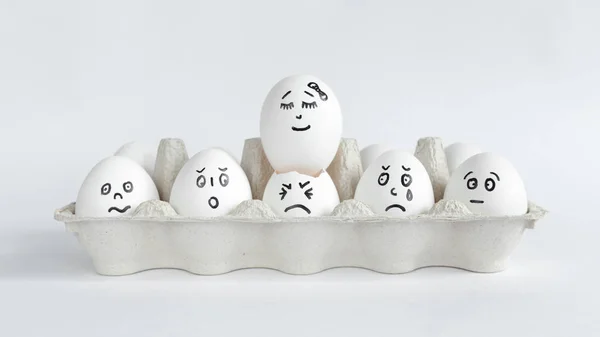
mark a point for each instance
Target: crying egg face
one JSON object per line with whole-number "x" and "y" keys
{"x": 396, "y": 184}
{"x": 210, "y": 184}
{"x": 294, "y": 194}
{"x": 115, "y": 187}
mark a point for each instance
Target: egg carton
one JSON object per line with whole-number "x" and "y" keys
{"x": 252, "y": 236}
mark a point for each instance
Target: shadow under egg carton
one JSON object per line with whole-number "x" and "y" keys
{"x": 252, "y": 236}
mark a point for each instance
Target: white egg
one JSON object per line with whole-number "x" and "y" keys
{"x": 488, "y": 184}
{"x": 114, "y": 187}
{"x": 457, "y": 153}
{"x": 371, "y": 152}
{"x": 294, "y": 194}
{"x": 396, "y": 184}
{"x": 141, "y": 153}
{"x": 301, "y": 125}
{"x": 210, "y": 184}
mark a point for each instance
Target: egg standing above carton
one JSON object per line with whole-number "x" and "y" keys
{"x": 301, "y": 129}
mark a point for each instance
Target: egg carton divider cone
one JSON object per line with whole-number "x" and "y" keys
{"x": 253, "y": 237}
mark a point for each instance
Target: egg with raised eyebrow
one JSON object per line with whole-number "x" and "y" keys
{"x": 210, "y": 184}
{"x": 396, "y": 184}
{"x": 114, "y": 187}
{"x": 294, "y": 194}
{"x": 301, "y": 125}
{"x": 488, "y": 184}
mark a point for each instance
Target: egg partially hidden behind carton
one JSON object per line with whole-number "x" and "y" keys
{"x": 371, "y": 152}
{"x": 114, "y": 187}
{"x": 396, "y": 184}
{"x": 488, "y": 184}
{"x": 300, "y": 125}
{"x": 141, "y": 153}
{"x": 457, "y": 153}
{"x": 210, "y": 184}
{"x": 294, "y": 194}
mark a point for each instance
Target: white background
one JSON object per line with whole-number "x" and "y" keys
{"x": 80, "y": 78}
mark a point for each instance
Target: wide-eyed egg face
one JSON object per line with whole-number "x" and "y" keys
{"x": 210, "y": 184}
{"x": 396, "y": 184}
{"x": 297, "y": 195}
{"x": 114, "y": 187}
{"x": 301, "y": 125}
{"x": 488, "y": 184}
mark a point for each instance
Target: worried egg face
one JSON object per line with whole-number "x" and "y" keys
{"x": 396, "y": 184}
{"x": 300, "y": 125}
{"x": 488, "y": 184}
{"x": 210, "y": 184}
{"x": 115, "y": 187}
{"x": 297, "y": 195}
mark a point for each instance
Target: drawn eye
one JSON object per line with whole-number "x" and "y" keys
{"x": 105, "y": 189}
{"x": 201, "y": 181}
{"x": 288, "y": 106}
{"x": 472, "y": 183}
{"x": 311, "y": 105}
{"x": 409, "y": 195}
{"x": 308, "y": 193}
{"x": 383, "y": 178}
{"x": 406, "y": 179}
{"x": 128, "y": 187}
{"x": 490, "y": 184}
{"x": 224, "y": 179}
{"x": 283, "y": 193}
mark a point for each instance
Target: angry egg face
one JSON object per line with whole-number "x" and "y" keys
{"x": 114, "y": 187}
{"x": 297, "y": 195}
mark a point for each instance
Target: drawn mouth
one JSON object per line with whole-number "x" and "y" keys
{"x": 298, "y": 206}
{"x": 476, "y": 201}
{"x": 301, "y": 129}
{"x": 395, "y": 206}
{"x": 213, "y": 202}
{"x": 119, "y": 209}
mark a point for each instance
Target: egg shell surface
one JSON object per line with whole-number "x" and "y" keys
{"x": 114, "y": 187}
{"x": 300, "y": 125}
{"x": 141, "y": 153}
{"x": 210, "y": 184}
{"x": 457, "y": 153}
{"x": 371, "y": 152}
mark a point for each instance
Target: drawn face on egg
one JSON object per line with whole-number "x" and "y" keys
{"x": 297, "y": 195}
{"x": 210, "y": 184}
{"x": 301, "y": 125}
{"x": 488, "y": 184}
{"x": 114, "y": 187}
{"x": 396, "y": 184}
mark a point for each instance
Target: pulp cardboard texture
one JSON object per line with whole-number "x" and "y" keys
{"x": 252, "y": 236}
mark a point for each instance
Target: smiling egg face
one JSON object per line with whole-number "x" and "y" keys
{"x": 114, "y": 187}
{"x": 210, "y": 184}
{"x": 396, "y": 184}
{"x": 301, "y": 125}
{"x": 297, "y": 195}
{"x": 488, "y": 184}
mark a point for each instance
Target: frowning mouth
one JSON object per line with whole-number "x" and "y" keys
{"x": 297, "y": 206}
{"x": 117, "y": 209}
{"x": 395, "y": 206}
{"x": 301, "y": 129}
{"x": 476, "y": 201}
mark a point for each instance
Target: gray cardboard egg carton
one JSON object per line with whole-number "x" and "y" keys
{"x": 252, "y": 236}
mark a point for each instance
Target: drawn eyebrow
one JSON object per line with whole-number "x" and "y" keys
{"x": 405, "y": 168}
{"x": 466, "y": 175}
{"x": 288, "y": 186}
{"x": 303, "y": 185}
{"x": 497, "y": 177}
{"x": 309, "y": 94}
{"x": 385, "y": 167}
{"x": 287, "y": 93}
{"x": 222, "y": 169}
{"x": 201, "y": 170}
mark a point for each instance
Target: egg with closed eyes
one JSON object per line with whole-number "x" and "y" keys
{"x": 293, "y": 194}
{"x": 488, "y": 184}
{"x": 209, "y": 184}
{"x": 396, "y": 184}
{"x": 114, "y": 187}
{"x": 300, "y": 125}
